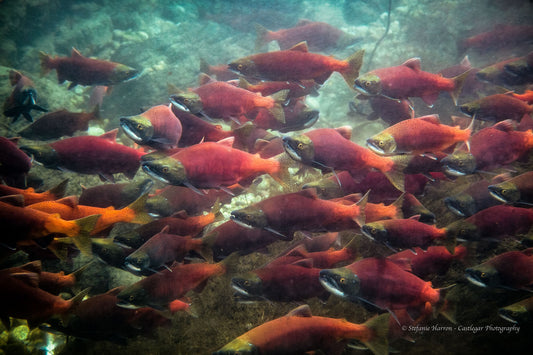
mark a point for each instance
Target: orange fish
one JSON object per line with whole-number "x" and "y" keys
{"x": 300, "y": 332}
{"x": 418, "y": 135}
{"x": 30, "y": 196}
{"x": 69, "y": 209}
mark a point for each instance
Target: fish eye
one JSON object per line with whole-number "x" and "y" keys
{"x": 381, "y": 143}
{"x": 483, "y": 274}
{"x": 165, "y": 170}
{"x": 131, "y": 298}
{"x": 240, "y": 67}
{"x": 367, "y": 83}
{"x": 300, "y": 146}
{"x": 504, "y": 192}
{"x": 342, "y": 280}
{"x": 246, "y": 283}
{"x": 139, "y": 126}
{"x": 186, "y": 101}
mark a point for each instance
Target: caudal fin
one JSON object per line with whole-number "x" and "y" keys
{"x": 74, "y": 303}
{"x": 280, "y": 99}
{"x": 138, "y": 207}
{"x": 396, "y": 174}
{"x": 263, "y": 36}
{"x": 378, "y": 342}
{"x": 45, "y": 63}
{"x": 59, "y": 190}
{"x": 355, "y": 62}
{"x": 459, "y": 82}
{"x": 83, "y": 239}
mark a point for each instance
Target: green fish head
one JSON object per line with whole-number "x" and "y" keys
{"x": 238, "y": 346}
{"x": 167, "y": 170}
{"x": 462, "y": 205}
{"x": 382, "y": 143}
{"x": 244, "y": 66}
{"x": 188, "y": 102}
{"x": 515, "y": 313}
{"x": 300, "y": 148}
{"x": 250, "y": 217}
{"x": 341, "y": 282}
{"x": 459, "y": 164}
{"x": 159, "y": 206}
{"x": 137, "y": 261}
{"x": 248, "y": 285}
{"x": 470, "y": 108}
{"x": 483, "y": 275}
{"x": 462, "y": 230}
{"x": 368, "y": 84}
{"x": 506, "y": 192}
{"x": 134, "y": 296}
{"x": 326, "y": 188}
{"x": 43, "y": 153}
{"x": 122, "y": 73}
{"x": 138, "y": 128}
{"x": 375, "y": 231}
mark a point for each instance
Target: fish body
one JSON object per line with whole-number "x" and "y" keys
{"x": 13, "y": 161}
{"x": 100, "y": 155}
{"x": 210, "y": 165}
{"x": 158, "y": 290}
{"x": 498, "y": 75}
{"x": 390, "y": 111}
{"x": 516, "y": 190}
{"x": 218, "y": 99}
{"x": 408, "y": 80}
{"x": 302, "y": 210}
{"x": 403, "y": 233}
{"x": 221, "y": 71}
{"x": 497, "y": 108}
{"x": 494, "y": 222}
{"x": 297, "y": 117}
{"x": 320, "y": 36}
{"x": 114, "y": 195}
{"x": 379, "y": 282}
{"x": 502, "y": 35}
{"x": 30, "y": 196}
{"x": 513, "y": 269}
{"x": 156, "y": 127}
{"x": 22, "y": 98}
{"x": 80, "y": 70}
{"x": 60, "y": 123}
{"x": 435, "y": 260}
{"x": 474, "y": 198}
{"x": 417, "y": 135}
{"x": 490, "y": 148}
{"x": 297, "y": 64}
{"x": 299, "y": 332}
{"x": 296, "y": 89}
{"x": 198, "y": 130}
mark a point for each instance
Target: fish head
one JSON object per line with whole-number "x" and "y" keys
{"x": 506, "y": 192}
{"x": 375, "y": 231}
{"x": 250, "y": 217}
{"x": 462, "y": 205}
{"x": 238, "y": 346}
{"x": 483, "y": 275}
{"x": 382, "y": 143}
{"x": 517, "y": 68}
{"x": 188, "y": 102}
{"x": 488, "y": 74}
{"x": 122, "y": 73}
{"x": 244, "y": 66}
{"x": 462, "y": 230}
{"x": 299, "y": 148}
{"x": 132, "y": 297}
{"x": 248, "y": 285}
{"x": 109, "y": 252}
{"x": 305, "y": 119}
{"x": 167, "y": 170}
{"x": 368, "y": 84}
{"x": 128, "y": 239}
{"x": 470, "y": 108}
{"x": 326, "y": 188}
{"x": 138, "y": 128}
{"x": 459, "y": 164}
{"x": 43, "y": 153}
{"x": 515, "y": 313}
{"x": 159, "y": 206}
{"x": 137, "y": 261}
{"x": 341, "y": 282}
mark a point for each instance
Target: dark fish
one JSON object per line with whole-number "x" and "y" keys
{"x": 503, "y": 35}
{"x": 114, "y": 195}
{"x": 497, "y": 108}
{"x": 516, "y": 190}
{"x": 474, "y": 198}
{"x": 22, "y": 98}
{"x": 519, "y": 312}
{"x": 13, "y": 161}
{"x": 86, "y": 71}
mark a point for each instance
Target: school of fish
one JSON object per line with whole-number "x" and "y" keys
{"x": 347, "y": 222}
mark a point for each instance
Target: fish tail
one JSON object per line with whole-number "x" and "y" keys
{"x": 83, "y": 239}
{"x": 74, "y": 302}
{"x": 79, "y": 271}
{"x": 281, "y": 173}
{"x": 445, "y": 305}
{"x": 263, "y": 36}
{"x": 46, "y": 63}
{"x": 230, "y": 263}
{"x": 280, "y": 99}
{"x": 355, "y": 62}
{"x": 59, "y": 191}
{"x": 459, "y": 82}
{"x": 360, "y": 218}
{"x": 395, "y": 174}
{"x": 137, "y": 206}
{"x": 378, "y": 342}
{"x": 352, "y": 248}
{"x": 399, "y": 204}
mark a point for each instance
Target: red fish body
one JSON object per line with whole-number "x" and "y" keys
{"x": 319, "y": 36}
{"x": 497, "y": 108}
{"x": 299, "y": 332}
{"x": 221, "y": 72}
{"x": 13, "y": 161}
{"x": 89, "y": 155}
{"x": 502, "y": 35}
{"x": 210, "y": 165}
{"x": 408, "y": 80}
{"x": 434, "y": 260}
{"x": 157, "y": 127}
{"x": 287, "y": 213}
{"x": 513, "y": 269}
{"x": 471, "y": 200}
{"x": 417, "y": 135}
{"x": 297, "y": 64}
{"x": 60, "y": 123}
{"x": 86, "y": 71}
{"x": 296, "y": 89}
{"x": 382, "y": 283}
{"x": 494, "y": 222}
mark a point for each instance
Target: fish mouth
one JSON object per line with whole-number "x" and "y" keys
{"x": 240, "y": 222}
{"x": 450, "y": 170}
{"x": 495, "y": 192}
{"x": 147, "y": 169}
{"x": 241, "y": 291}
{"x": 506, "y": 314}
{"x": 450, "y": 203}
{"x": 131, "y": 133}
{"x": 366, "y": 233}
{"x": 375, "y": 148}
{"x": 327, "y": 279}
{"x": 357, "y": 86}
{"x": 175, "y": 101}
{"x": 127, "y": 305}
{"x": 473, "y": 278}
{"x": 132, "y": 267}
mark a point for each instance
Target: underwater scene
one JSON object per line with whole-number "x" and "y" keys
{"x": 266, "y": 177}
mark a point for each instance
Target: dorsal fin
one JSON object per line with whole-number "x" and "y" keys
{"x": 301, "y": 311}
{"x": 302, "y": 47}
{"x": 345, "y": 131}
{"x": 111, "y": 135}
{"x": 307, "y": 263}
{"x": 33, "y": 266}
{"x": 310, "y": 193}
{"x": 466, "y": 62}
{"x": 181, "y": 214}
{"x": 30, "y": 278}
{"x": 413, "y": 63}
{"x": 434, "y": 118}
{"x": 115, "y": 291}
{"x": 297, "y": 251}
{"x": 504, "y": 126}
{"x": 303, "y": 22}
{"x": 228, "y": 142}
{"x": 203, "y": 79}
{"x": 14, "y": 200}
{"x": 75, "y": 53}
{"x": 165, "y": 229}
{"x": 71, "y": 201}
{"x": 416, "y": 217}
